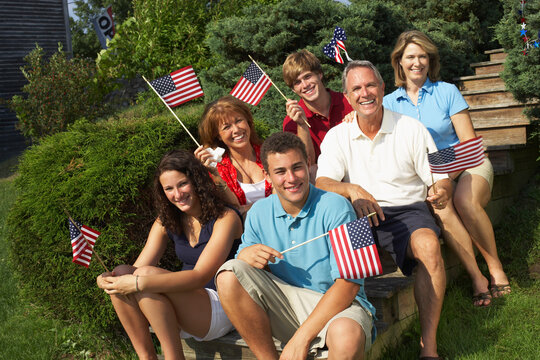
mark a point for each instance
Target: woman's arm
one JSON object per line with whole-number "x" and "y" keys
{"x": 155, "y": 246}
{"x": 465, "y": 131}
{"x": 153, "y": 250}
{"x": 226, "y": 229}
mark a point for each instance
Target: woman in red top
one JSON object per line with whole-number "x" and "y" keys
{"x": 228, "y": 123}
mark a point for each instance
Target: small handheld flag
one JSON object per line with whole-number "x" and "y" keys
{"x": 83, "y": 239}
{"x": 355, "y": 250}
{"x": 332, "y": 48}
{"x": 252, "y": 86}
{"x": 461, "y": 156}
{"x": 178, "y": 87}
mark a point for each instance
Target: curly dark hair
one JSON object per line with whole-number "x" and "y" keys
{"x": 212, "y": 203}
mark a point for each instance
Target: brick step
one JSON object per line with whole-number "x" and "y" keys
{"x": 484, "y": 82}
{"x": 488, "y": 67}
{"x": 496, "y": 54}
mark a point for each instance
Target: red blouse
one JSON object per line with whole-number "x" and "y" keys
{"x": 228, "y": 173}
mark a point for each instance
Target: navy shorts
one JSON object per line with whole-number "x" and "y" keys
{"x": 394, "y": 233}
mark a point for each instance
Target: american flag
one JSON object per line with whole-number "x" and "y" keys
{"x": 252, "y": 85}
{"x": 82, "y": 249}
{"x": 355, "y": 250}
{"x": 178, "y": 87}
{"x": 332, "y": 49}
{"x": 461, "y": 156}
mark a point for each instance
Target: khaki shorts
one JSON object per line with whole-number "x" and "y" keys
{"x": 289, "y": 306}
{"x": 485, "y": 170}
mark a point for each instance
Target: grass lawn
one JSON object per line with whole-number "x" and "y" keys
{"x": 26, "y": 330}
{"x": 509, "y": 328}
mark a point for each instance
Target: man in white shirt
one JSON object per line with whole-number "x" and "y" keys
{"x": 379, "y": 162}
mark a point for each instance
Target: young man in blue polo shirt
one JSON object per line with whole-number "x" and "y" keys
{"x": 297, "y": 297}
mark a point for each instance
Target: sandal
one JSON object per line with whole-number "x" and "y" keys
{"x": 499, "y": 290}
{"x": 482, "y": 297}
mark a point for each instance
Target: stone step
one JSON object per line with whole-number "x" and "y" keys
{"x": 483, "y": 82}
{"x": 488, "y": 67}
{"x": 496, "y": 54}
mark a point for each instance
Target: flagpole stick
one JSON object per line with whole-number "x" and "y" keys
{"x": 86, "y": 240}
{"x": 432, "y": 179}
{"x": 315, "y": 238}
{"x": 274, "y": 85}
{"x": 168, "y": 107}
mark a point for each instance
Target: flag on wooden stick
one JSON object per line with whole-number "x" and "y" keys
{"x": 252, "y": 86}
{"x": 355, "y": 250}
{"x": 178, "y": 87}
{"x": 462, "y": 156}
{"x": 83, "y": 239}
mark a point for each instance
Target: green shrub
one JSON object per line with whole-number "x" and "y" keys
{"x": 270, "y": 32}
{"x": 100, "y": 173}
{"x": 521, "y": 71}
{"x": 59, "y": 90}
{"x": 163, "y": 36}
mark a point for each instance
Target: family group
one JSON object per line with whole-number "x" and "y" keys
{"x": 341, "y": 156}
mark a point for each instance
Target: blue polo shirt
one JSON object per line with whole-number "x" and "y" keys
{"x": 313, "y": 265}
{"x": 437, "y": 101}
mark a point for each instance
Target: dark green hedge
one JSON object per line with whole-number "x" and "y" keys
{"x": 101, "y": 174}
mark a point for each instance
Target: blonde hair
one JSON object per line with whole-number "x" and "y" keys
{"x": 422, "y": 40}
{"x": 297, "y": 63}
{"x": 216, "y": 113}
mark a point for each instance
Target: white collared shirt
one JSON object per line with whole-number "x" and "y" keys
{"x": 393, "y": 167}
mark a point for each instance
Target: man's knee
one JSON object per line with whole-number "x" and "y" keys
{"x": 345, "y": 338}
{"x": 226, "y": 280}
{"x": 425, "y": 247}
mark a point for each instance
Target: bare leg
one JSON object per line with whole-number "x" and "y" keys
{"x": 169, "y": 312}
{"x": 345, "y": 339}
{"x": 471, "y": 196}
{"x": 457, "y": 237}
{"x": 429, "y": 286}
{"x": 133, "y": 320}
{"x": 249, "y": 319}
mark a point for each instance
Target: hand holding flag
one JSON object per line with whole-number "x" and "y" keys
{"x": 354, "y": 249}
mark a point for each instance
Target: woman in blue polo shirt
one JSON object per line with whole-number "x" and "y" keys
{"x": 443, "y": 110}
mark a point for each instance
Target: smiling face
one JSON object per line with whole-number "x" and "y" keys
{"x": 365, "y": 93}
{"x": 415, "y": 63}
{"x": 308, "y": 85}
{"x": 234, "y": 131}
{"x": 288, "y": 173}
{"x": 180, "y": 192}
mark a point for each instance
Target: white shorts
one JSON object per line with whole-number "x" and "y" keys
{"x": 219, "y": 324}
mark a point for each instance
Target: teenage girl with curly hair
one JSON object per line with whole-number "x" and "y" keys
{"x": 206, "y": 233}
